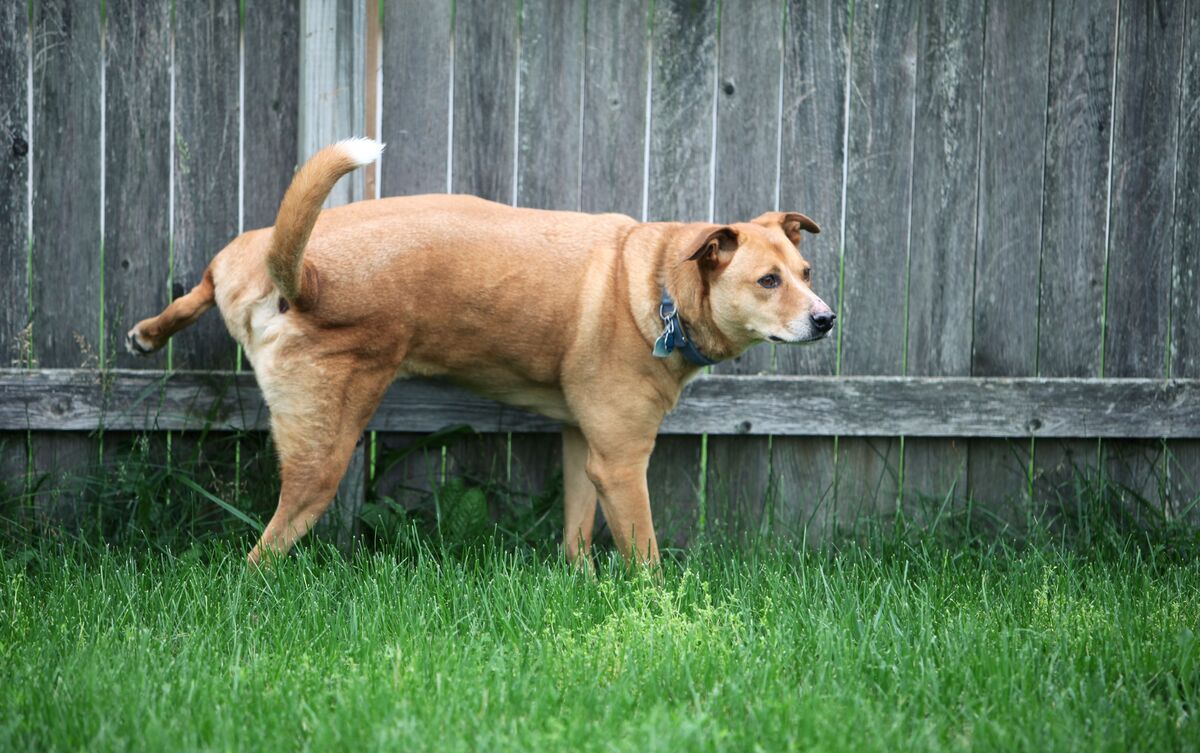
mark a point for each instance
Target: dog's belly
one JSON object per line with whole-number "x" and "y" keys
{"x": 500, "y": 384}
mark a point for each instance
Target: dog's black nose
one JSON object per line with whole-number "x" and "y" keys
{"x": 823, "y": 320}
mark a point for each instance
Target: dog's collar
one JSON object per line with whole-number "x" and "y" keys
{"x": 674, "y": 336}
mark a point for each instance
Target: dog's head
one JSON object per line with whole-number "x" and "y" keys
{"x": 756, "y": 284}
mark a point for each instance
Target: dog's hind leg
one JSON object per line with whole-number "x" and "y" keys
{"x": 579, "y": 497}
{"x": 152, "y": 334}
{"x": 316, "y": 423}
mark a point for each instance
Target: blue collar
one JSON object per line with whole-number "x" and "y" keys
{"x": 674, "y": 336}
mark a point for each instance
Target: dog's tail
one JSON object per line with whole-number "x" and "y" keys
{"x": 299, "y": 210}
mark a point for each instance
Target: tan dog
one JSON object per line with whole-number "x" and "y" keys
{"x": 556, "y": 312}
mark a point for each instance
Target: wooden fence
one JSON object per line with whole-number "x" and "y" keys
{"x": 1009, "y": 191}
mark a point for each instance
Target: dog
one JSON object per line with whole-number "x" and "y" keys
{"x": 597, "y": 321}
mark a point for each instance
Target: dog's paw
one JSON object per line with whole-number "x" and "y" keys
{"x": 134, "y": 344}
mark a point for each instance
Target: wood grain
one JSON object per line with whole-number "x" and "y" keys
{"x": 65, "y": 256}
{"x": 683, "y": 61}
{"x": 549, "y": 164}
{"x": 270, "y": 154}
{"x": 1012, "y": 155}
{"x": 941, "y": 274}
{"x": 137, "y": 187}
{"x": 418, "y": 56}
{"x": 1183, "y": 473}
{"x": 1074, "y": 230}
{"x": 878, "y": 198}
{"x": 816, "y": 51}
{"x": 271, "y": 120}
{"x": 332, "y": 59}
{"x": 66, "y": 400}
{"x": 614, "y": 107}
{"x": 1141, "y": 241}
{"x": 206, "y": 165}
{"x": 747, "y": 152}
{"x": 486, "y": 39}
{"x": 14, "y": 219}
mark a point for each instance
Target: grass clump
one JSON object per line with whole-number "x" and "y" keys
{"x": 877, "y": 647}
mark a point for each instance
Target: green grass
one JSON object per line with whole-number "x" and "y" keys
{"x": 887, "y": 646}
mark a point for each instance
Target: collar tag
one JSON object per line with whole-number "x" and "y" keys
{"x": 674, "y": 337}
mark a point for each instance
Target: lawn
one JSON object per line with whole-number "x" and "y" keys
{"x": 875, "y": 646}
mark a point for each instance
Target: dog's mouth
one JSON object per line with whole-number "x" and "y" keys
{"x": 784, "y": 341}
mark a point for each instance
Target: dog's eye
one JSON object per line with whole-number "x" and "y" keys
{"x": 807, "y": 276}
{"x": 769, "y": 281}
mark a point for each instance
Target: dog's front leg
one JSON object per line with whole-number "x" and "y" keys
{"x": 616, "y": 464}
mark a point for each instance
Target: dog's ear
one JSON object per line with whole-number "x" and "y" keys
{"x": 791, "y": 222}
{"x": 712, "y": 247}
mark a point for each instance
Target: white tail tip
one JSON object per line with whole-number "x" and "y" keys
{"x": 362, "y": 151}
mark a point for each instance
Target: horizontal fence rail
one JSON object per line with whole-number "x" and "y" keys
{"x": 127, "y": 400}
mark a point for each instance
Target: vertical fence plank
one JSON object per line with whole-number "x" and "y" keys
{"x": 614, "y": 107}
{"x": 683, "y": 60}
{"x": 548, "y": 167}
{"x": 66, "y": 221}
{"x": 1146, "y": 117}
{"x": 271, "y": 92}
{"x": 816, "y": 54}
{"x": 485, "y": 63}
{"x": 1184, "y": 470}
{"x": 270, "y": 150}
{"x": 416, "y": 80}
{"x": 14, "y": 217}
{"x": 1010, "y": 211}
{"x": 206, "y": 165}
{"x": 878, "y": 195}
{"x": 747, "y": 140}
{"x": 1075, "y": 209}
{"x": 137, "y": 174}
{"x": 941, "y": 270}
{"x": 417, "y": 70}
{"x": 332, "y": 60}
{"x": 137, "y": 168}
{"x": 206, "y": 180}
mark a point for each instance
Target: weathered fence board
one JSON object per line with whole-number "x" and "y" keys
{"x": 878, "y": 205}
{"x": 549, "y": 163}
{"x": 1183, "y": 472}
{"x": 744, "y": 186}
{"x": 614, "y": 107}
{"x": 1146, "y": 132}
{"x": 137, "y": 182}
{"x": 65, "y": 256}
{"x": 332, "y": 56}
{"x": 1011, "y": 163}
{"x": 486, "y": 38}
{"x": 944, "y": 211}
{"x": 65, "y": 400}
{"x": 418, "y": 56}
{"x": 137, "y": 169}
{"x": 271, "y": 46}
{"x": 683, "y": 60}
{"x": 1074, "y": 223}
{"x": 206, "y": 165}
{"x": 14, "y": 218}
{"x": 813, "y": 120}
